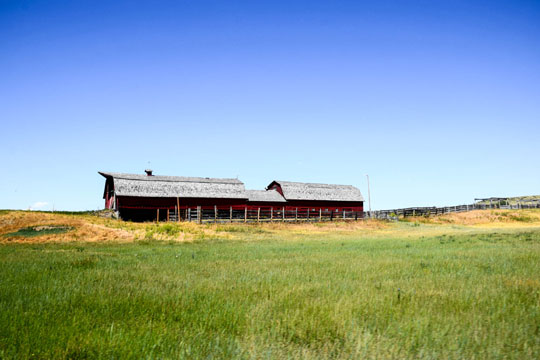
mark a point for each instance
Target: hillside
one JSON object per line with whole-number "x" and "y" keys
{"x": 39, "y": 227}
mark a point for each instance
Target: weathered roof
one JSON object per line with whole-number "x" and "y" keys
{"x": 264, "y": 196}
{"x": 322, "y": 192}
{"x": 176, "y": 186}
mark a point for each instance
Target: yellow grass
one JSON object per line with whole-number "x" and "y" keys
{"x": 89, "y": 228}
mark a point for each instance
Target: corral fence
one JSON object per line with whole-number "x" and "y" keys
{"x": 394, "y": 214}
{"x": 241, "y": 213}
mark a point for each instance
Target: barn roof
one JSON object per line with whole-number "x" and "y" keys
{"x": 264, "y": 196}
{"x": 175, "y": 186}
{"x": 322, "y": 192}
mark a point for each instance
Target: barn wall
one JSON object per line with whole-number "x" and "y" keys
{"x": 170, "y": 203}
{"x": 359, "y": 205}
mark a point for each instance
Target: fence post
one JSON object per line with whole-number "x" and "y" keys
{"x": 245, "y": 213}
{"x": 215, "y": 214}
{"x": 331, "y": 215}
{"x": 343, "y": 214}
{"x": 157, "y": 217}
{"x": 283, "y": 213}
{"x": 296, "y": 215}
{"x": 230, "y": 213}
{"x": 308, "y": 214}
{"x": 178, "y": 207}
{"x": 167, "y": 214}
{"x": 189, "y": 214}
{"x": 258, "y": 214}
{"x": 320, "y": 214}
{"x": 199, "y": 214}
{"x": 271, "y": 213}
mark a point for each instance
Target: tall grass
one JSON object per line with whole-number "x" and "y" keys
{"x": 300, "y": 295}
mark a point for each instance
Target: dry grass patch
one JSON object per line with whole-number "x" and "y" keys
{"x": 82, "y": 230}
{"x": 514, "y": 218}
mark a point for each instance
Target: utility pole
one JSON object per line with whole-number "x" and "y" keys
{"x": 369, "y": 194}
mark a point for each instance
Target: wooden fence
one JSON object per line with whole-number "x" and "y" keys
{"x": 240, "y": 213}
{"x": 394, "y": 214}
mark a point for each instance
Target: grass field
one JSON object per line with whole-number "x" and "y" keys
{"x": 459, "y": 286}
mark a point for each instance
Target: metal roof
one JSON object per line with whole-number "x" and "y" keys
{"x": 176, "y": 186}
{"x": 264, "y": 196}
{"x": 322, "y": 192}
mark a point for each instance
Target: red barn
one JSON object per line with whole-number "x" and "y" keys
{"x": 328, "y": 197}
{"x": 149, "y": 197}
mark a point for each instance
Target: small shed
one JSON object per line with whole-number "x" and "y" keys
{"x": 265, "y": 198}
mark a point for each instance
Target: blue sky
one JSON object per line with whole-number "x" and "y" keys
{"x": 439, "y": 102}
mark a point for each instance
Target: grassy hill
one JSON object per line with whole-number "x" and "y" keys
{"x": 456, "y": 286}
{"x": 516, "y": 199}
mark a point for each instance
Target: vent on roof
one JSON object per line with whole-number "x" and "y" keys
{"x": 148, "y": 172}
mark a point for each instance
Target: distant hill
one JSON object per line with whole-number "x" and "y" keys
{"x": 515, "y": 199}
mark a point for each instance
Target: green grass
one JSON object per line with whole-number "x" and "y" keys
{"x": 457, "y": 296}
{"x": 32, "y": 231}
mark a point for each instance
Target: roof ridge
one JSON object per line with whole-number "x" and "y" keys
{"x": 310, "y": 183}
{"x": 170, "y": 178}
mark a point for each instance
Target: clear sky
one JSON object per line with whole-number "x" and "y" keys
{"x": 438, "y": 101}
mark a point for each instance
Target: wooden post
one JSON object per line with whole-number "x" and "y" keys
{"x": 215, "y": 213}
{"x": 157, "y": 218}
{"x": 271, "y": 214}
{"x": 258, "y": 214}
{"x": 230, "y": 214}
{"x": 308, "y": 214}
{"x": 245, "y": 213}
{"x": 178, "y": 207}
{"x": 320, "y": 214}
{"x": 189, "y": 214}
{"x": 199, "y": 214}
{"x": 331, "y": 215}
{"x": 343, "y": 214}
{"x": 296, "y": 215}
{"x": 167, "y": 215}
{"x": 283, "y": 213}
